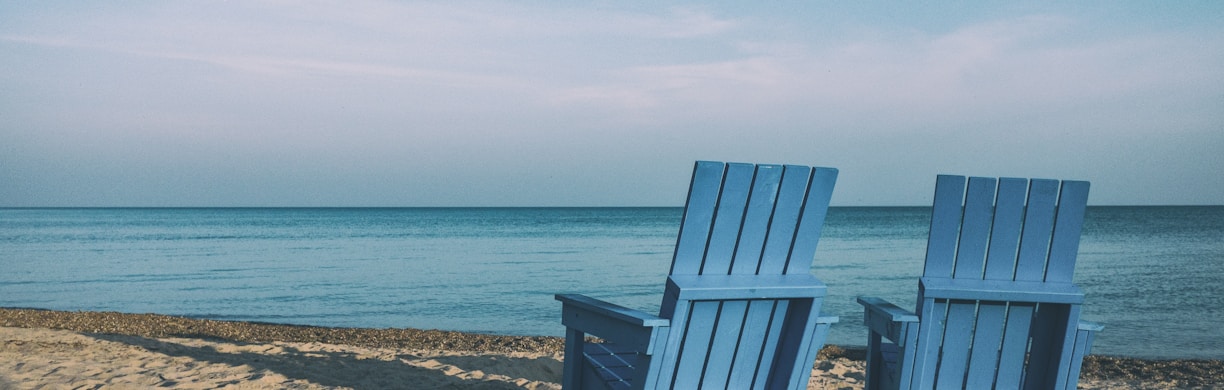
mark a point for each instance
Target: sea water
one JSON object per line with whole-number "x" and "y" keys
{"x": 1154, "y": 276}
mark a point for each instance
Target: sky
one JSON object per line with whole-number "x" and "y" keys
{"x": 599, "y": 103}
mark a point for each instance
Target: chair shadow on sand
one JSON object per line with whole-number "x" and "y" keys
{"x": 347, "y": 369}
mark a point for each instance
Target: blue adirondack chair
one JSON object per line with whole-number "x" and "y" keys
{"x": 741, "y": 307}
{"x": 996, "y": 305}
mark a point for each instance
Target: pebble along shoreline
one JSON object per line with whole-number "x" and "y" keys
{"x": 1185, "y": 373}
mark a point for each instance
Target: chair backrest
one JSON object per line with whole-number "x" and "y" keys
{"x": 744, "y": 219}
{"x": 1010, "y": 229}
{"x": 1011, "y": 235}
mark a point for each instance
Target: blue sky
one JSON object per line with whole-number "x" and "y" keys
{"x": 472, "y": 103}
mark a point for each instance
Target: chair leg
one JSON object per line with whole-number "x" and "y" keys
{"x": 875, "y": 361}
{"x": 572, "y": 373}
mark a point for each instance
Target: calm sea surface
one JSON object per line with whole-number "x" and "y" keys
{"x": 1154, "y": 276}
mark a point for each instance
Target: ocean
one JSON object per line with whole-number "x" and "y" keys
{"x": 1154, "y": 276}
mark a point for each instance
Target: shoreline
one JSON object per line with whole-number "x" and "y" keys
{"x": 836, "y": 367}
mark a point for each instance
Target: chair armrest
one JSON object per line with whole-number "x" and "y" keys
{"x": 614, "y": 311}
{"x": 885, "y": 309}
{"x": 1090, "y": 326}
{"x": 614, "y": 323}
{"x": 711, "y": 287}
{"x": 886, "y": 319}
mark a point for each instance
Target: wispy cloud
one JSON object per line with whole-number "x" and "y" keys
{"x": 1009, "y": 67}
{"x": 487, "y": 45}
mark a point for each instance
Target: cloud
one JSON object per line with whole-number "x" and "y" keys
{"x": 510, "y": 87}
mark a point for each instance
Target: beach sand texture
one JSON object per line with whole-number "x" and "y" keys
{"x": 88, "y": 350}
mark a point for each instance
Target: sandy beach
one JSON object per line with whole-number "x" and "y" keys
{"x": 91, "y": 350}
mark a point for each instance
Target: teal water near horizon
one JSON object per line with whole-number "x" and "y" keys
{"x": 1154, "y": 276}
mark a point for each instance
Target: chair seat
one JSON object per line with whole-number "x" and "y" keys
{"x": 889, "y": 357}
{"x": 612, "y": 364}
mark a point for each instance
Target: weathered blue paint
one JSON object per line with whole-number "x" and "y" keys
{"x": 996, "y": 288}
{"x": 740, "y": 308}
